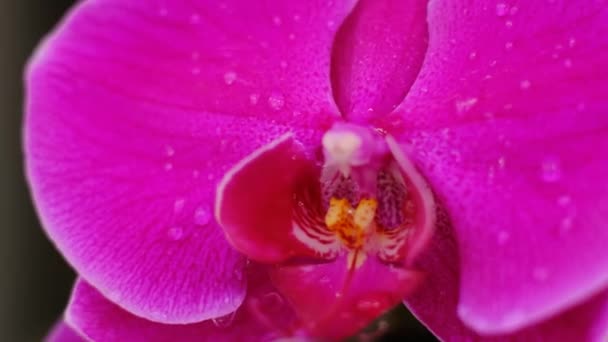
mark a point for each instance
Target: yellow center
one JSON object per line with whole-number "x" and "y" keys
{"x": 351, "y": 225}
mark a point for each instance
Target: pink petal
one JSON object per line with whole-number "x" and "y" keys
{"x": 510, "y": 118}
{"x": 135, "y": 109}
{"x": 377, "y": 56}
{"x": 101, "y": 320}
{"x": 62, "y": 332}
{"x": 333, "y": 306}
{"x": 255, "y": 202}
{"x": 435, "y": 304}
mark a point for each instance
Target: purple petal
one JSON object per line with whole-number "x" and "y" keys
{"x": 510, "y": 118}
{"x": 62, "y": 332}
{"x": 435, "y": 304}
{"x": 377, "y": 56}
{"x": 135, "y": 109}
{"x": 101, "y": 320}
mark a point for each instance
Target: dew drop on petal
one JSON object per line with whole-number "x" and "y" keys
{"x": 564, "y": 200}
{"x": 524, "y": 84}
{"x": 465, "y": 105}
{"x": 566, "y": 224}
{"x": 229, "y": 77}
{"x": 568, "y": 63}
{"x": 551, "y": 170}
{"x": 501, "y": 9}
{"x": 169, "y": 151}
{"x": 502, "y": 162}
{"x": 224, "y": 321}
{"x": 178, "y": 205}
{"x": 168, "y": 166}
{"x": 276, "y": 20}
{"x": 276, "y": 101}
{"x": 368, "y": 304}
{"x": 253, "y": 99}
{"x": 508, "y": 46}
{"x": 201, "y": 216}
{"x": 503, "y": 237}
{"x": 175, "y": 233}
{"x": 195, "y": 18}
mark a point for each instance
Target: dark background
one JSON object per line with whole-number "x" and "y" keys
{"x": 34, "y": 280}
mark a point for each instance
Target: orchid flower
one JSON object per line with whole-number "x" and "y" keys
{"x": 243, "y": 170}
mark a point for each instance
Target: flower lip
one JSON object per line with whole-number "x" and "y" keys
{"x": 374, "y": 201}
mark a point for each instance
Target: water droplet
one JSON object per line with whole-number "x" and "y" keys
{"x": 508, "y": 46}
{"x": 566, "y": 224}
{"x": 568, "y": 63}
{"x": 513, "y": 10}
{"x": 277, "y": 20}
{"x": 168, "y": 166}
{"x": 178, "y": 205}
{"x": 276, "y": 101}
{"x": 169, "y": 151}
{"x": 551, "y": 170}
{"x": 571, "y": 42}
{"x": 201, "y": 216}
{"x": 324, "y": 280}
{"x": 229, "y": 77}
{"x": 503, "y": 237}
{"x": 296, "y": 17}
{"x": 291, "y": 36}
{"x": 224, "y": 321}
{"x": 195, "y": 56}
{"x": 175, "y": 233}
{"x": 501, "y": 9}
{"x": 283, "y": 64}
{"x": 196, "y": 173}
{"x": 564, "y": 200}
{"x": 524, "y": 84}
{"x": 253, "y": 99}
{"x": 502, "y": 162}
{"x": 540, "y": 273}
{"x": 472, "y": 55}
{"x": 464, "y": 105}
{"x": 195, "y": 18}
{"x": 508, "y": 23}
{"x": 163, "y": 12}
{"x": 195, "y": 71}
{"x": 331, "y": 23}
{"x": 367, "y": 304}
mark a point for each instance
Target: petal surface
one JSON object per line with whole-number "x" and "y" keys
{"x": 135, "y": 109}
{"x": 255, "y": 202}
{"x": 62, "y": 332}
{"x": 435, "y": 304}
{"x": 377, "y": 55}
{"x": 333, "y": 302}
{"x": 101, "y": 320}
{"x": 507, "y": 120}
